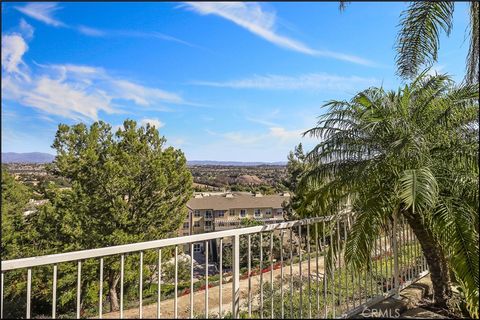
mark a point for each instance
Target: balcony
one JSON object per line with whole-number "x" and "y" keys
{"x": 283, "y": 277}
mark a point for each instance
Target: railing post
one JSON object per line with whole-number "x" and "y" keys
{"x": 395, "y": 257}
{"x": 236, "y": 277}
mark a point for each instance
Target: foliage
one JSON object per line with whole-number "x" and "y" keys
{"x": 15, "y": 198}
{"x": 419, "y": 38}
{"x": 412, "y": 152}
{"x": 296, "y": 166}
{"x": 126, "y": 188}
{"x": 183, "y": 271}
{"x": 418, "y": 41}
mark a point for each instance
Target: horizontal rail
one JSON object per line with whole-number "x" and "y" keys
{"x": 136, "y": 247}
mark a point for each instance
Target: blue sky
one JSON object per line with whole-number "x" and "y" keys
{"x": 234, "y": 81}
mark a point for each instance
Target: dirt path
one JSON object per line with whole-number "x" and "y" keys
{"x": 167, "y": 306}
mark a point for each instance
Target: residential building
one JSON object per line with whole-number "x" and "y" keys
{"x": 209, "y": 212}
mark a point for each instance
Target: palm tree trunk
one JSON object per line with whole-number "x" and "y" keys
{"x": 436, "y": 260}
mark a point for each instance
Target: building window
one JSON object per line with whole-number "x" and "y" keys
{"x": 219, "y": 213}
{"x": 185, "y": 225}
{"x": 185, "y": 234}
{"x": 279, "y": 212}
{"x": 197, "y": 213}
{"x": 196, "y": 224}
{"x": 243, "y": 213}
{"x": 232, "y": 212}
{"x": 208, "y": 223}
{"x": 258, "y": 213}
{"x": 208, "y": 214}
{"x": 197, "y": 247}
{"x": 268, "y": 211}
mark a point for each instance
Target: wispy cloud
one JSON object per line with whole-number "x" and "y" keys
{"x": 13, "y": 49}
{"x": 72, "y": 91}
{"x": 43, "y": 12}
{"x": 90, "y": 31}
{"x": 148, "y": 35}
{"x": 252, "y": 17}
{"x": 260, "y": 121}
{"x": 26, "y": 29}
{"x": 274, "y": 134}
{"x": 153, "y": 122}
{"x": 311, "y": 81}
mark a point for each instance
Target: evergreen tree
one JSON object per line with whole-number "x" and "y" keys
{"x": 126, "y": 188}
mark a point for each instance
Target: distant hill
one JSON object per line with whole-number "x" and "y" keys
{"x": 246, "y": 179}
{"x": 233, "y": 163}
{"x": 40, "y": 157}
{"x": 30, "y": 157}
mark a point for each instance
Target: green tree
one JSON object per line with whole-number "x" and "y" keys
{"x": 413, "y": 152}
{"x": 15, "y": 198}
{"x": 126, "y": 188}
{"x": 418, "y": 41}
{"x": 296, "y": 167}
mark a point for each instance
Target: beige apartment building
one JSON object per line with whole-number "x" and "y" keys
{"x": 218, "y": 211}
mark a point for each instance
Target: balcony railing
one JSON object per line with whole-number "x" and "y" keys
{"x": 303, "y": 259}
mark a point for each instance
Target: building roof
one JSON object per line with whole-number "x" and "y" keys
{"x": 236, "y": 201}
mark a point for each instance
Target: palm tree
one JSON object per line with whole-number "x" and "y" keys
{"x": 412, "y": 153}
{"x": 419, "y": 38}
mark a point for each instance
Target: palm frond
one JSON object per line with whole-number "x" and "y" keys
{"x": 418, "y": 188}
{"x": 452, "y": 223}
{"x": 343, "y": 5}
{"x": 418, "y": 39}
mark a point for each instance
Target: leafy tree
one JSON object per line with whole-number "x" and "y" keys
{"x": 15, "y": 198}
{"x": 15, "y": 238}
{"x": 126, "y": 188}
{"x": 296, "y": 166}
{"x": 418, "y": 41}
{"x": 413, "y": 152}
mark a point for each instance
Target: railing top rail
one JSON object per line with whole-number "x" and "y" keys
{"x": 155, "y": 244}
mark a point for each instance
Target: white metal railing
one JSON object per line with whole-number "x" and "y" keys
{"x": 332, "y": 290}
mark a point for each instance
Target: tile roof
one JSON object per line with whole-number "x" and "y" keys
{"x": 238, "y": 201}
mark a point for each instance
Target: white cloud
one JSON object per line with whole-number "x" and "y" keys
{"x": 282, "y": 133}
{"x": 43, "y": 12}
{"x": 252, "y": 17}
{"x": 311, "y": 81}
{"x": 26, "y": 29}
{"x": 62, "y": 98}
{"x": 13, "y": 49}
{"x": 90, "y": 31}
{"x": 274, "y": 135}
{"x": 72, "y": 91}
{"x": 141, "y": 95}
{"x": 153, "y": 122}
